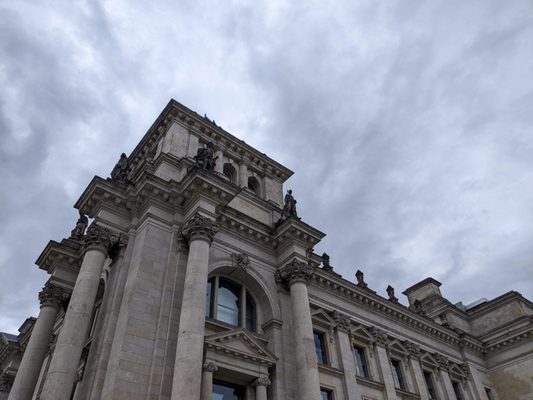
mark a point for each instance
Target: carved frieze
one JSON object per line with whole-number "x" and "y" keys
{"x": 53, "y": 295}
{"x": 442, "y": 361}
{"x": 294, "y": 271}
{"x": 199, "y": 227}
{"x": 342, "y": 321}
{"x": 412, "y": 349}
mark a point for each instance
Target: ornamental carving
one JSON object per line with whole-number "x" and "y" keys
{"x": 342, "y": 321}
{"x": 6, "y": 382}
{"x": 294, "y": 271}
{"x": 53, "y": 295}
{"x": 360, "y": 276}
{"x": 465, "y": 370}
{"x": 390, "y": 293}
{"x": 262, "y": 381}
{"x": 380, "y": 336}
{"x": 199, "y": 227}
{"x": 442, "y": 361}
{"x": 413, "y": 349}
{"x": 241, "y": 260}
{"x": 81, "y": 225}
{"x": 98, "y": 236}
{"x": 210, "y": 366}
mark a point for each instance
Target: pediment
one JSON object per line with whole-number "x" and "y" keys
{"x": 360, "y": 332}
{"x": 429, "y": 359}
{"x": 321, "y": 316}
{"x": 396, "y": 346}
{"x": 239, "y": 343}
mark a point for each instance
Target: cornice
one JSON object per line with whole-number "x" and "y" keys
{"x": 246, "y": 227}
{"x": 488, "y": 306}
{"x": 175, "y": 111}
{"x": 296, "y": 230}
{"x": 328, "y": 369}
{"x": 68, "y": 253}
{"x": 510, "y": 339}
{"x": 394, "y": 311}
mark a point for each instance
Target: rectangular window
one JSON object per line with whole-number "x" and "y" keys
{"x": 360, "y": 362}
{"x": 397, "y": 374}
{"x": 457, "y": 390}
{"x": 430, "y": 386}
{"x": 489, "y": 393}
{"x": 326, "y": 394}
{"x": 94, "y": 319}
{"x": 320, "y": 348}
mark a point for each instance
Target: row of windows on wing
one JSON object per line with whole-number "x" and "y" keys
{"x": 253, "y": 184}
{"x": 363, "y": 370}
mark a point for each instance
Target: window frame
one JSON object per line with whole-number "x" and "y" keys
{"x": 324, "y": 347}
{"x": 458, "y": 390}
{"x": 330, "y": 393}
{"x": 398, "y": 373}
{"x": 366, "y": 367}
{"x": 433, "y": 388}
{"x": 211, "y": 309}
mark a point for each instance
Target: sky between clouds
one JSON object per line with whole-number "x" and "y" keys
{"x": 408, "y": 124}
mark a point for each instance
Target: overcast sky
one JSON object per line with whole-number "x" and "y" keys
{"x": 408, "y": 124}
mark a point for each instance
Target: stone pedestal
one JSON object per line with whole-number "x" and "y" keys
{"x": 51, "y": 298}
{"x": 65, "y": 360}
{"x": 261, "y": 385}
{"x": 187, "y": 379}
{"x": 296, "y": 275}
{"x": 207, "y": 380}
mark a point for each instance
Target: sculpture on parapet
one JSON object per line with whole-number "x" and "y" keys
{"x": 390, "y": 293}
{"x": 289, "y": 208}
{"x": 205, "y": 157}
{"x": 360, "y": 279}
{"x": 325, "y": 262}
{"x": 81, "y": 225}
{"x": 120, "y": 172}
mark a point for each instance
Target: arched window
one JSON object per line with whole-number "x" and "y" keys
{"x": 231, "y": 303}
{"x": 230, "y": 172}
{"x": 254, "y": 185}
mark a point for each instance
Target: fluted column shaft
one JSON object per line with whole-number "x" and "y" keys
{"x": 296, "y": 274}
{"x": 187, "y": 379}
{"x": 65, "y": 360}
{"x": 51, "y": 298}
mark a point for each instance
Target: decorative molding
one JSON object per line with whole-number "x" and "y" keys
{"x": 53, "y": 295}
{"x": 380, "y": 336}
{"x": 342, "y": 321}
{"x": 413, "y": 350}
{"x": 199, "y": 227}
{"x": 442, "y": 361}
{"x": 294, "y": 271}
{"x": 210, "y": 366}
{"x": 262, "y": 381}
{"x": 241, "y": 261}
{"x": 97, "y": 236}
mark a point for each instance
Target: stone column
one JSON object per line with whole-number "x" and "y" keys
{"x": 384, "y": 363}
{"x": 444, "y": 377}
{"x": 186, "y": 384}
{"x": 51, "y": 298}
{"x": 243, "y": 174}
{"x": 414, "y": 364}
{"x": 207, "y": 380}
{"x": 65, "y": 360}
{"x": 347, "y": 356}
{"x": 296, "y": 275}
{"x": 261, "y": 385}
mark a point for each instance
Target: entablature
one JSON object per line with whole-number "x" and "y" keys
{"x": 67, "y": 254}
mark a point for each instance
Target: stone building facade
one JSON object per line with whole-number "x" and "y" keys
{"x": 196, "y": 279}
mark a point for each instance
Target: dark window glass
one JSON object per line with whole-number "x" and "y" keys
{"x": 397, "y": 374}
{"x": 457, "y": 390}
{"x": 226, "y": 391}
{"x": 326, "y": 394}
{"x": 228, "y": 302}
{"x": 489, "y": 394}
{"x": 94, "y": 320}
{"x": 360, "y": 361}
{"x": 430, "y": 386}
{"x": 320, "y": 348}
{"x": 253, "y": 184}
{"x": 250, "y": 313}
{"x": 230, "y": 172}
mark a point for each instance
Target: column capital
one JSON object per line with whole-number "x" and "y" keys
{"x": 443, "y": 361}
{"x": 412, "y": 349}
{"x": 262, "y": 381}
{"x": 210, "y": 366}
{"x": 294, "y": 271}
{"x": 98, "y": 237}
{"x": 199, "y": 227}
{"x": 381, "y": 338}
{"x": 342, "y": 321}
{"x": 53, "y": 295}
